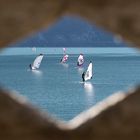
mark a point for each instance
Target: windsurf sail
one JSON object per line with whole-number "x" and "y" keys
{"x": 37, "y": 62}
{"x": 80, "y": 60}
{"x": 88, "y": 73}
{"x": 65, "y": 56}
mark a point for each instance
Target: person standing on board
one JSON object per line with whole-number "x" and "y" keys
{"x": 83, "y": 76}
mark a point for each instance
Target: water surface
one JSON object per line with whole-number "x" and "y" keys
{"x": 57, "y": 88}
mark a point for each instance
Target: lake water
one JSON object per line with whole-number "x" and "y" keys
{"x": 57, "y": 88}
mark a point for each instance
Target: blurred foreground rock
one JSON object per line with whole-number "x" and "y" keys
{"x": 117, "y": 117}
{"x": 19, "y": 18}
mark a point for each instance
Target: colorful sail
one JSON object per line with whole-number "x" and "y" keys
{"x": 37, "y": 62}
{"x": 80, "y": 60}
{"x": 65, "y": 58}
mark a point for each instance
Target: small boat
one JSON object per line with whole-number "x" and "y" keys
{"x": 88, "y": 74}
{"x": 37, "y": 62}
{"x": 80, "y": 60}
{"x": 65, "y": 56}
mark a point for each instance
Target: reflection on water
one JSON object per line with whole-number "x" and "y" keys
{"x": 80, "y": 70}
{"x": 89, "y": 90}
{"x": 37, "y": 72}
{"x": 65, "y": 65}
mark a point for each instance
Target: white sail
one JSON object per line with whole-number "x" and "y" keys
{"x": 80, "y": 60}
{"x": 88, "y": 74}
{"x": 37, "y": 62}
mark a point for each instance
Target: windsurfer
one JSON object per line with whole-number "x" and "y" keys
{"x": 77, "y": 63}
{"x": 30, "y": 66}
{"x": 83, "y": 76}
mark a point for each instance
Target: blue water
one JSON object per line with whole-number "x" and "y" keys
{"x": 58, "y": 89}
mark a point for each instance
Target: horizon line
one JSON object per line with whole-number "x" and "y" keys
{"x": 69, "y": 50}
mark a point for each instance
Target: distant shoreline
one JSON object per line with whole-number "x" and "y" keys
{"x": 49, "y": 51}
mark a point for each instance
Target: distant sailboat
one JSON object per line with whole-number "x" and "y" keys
{"x": 88, "y": 74}
{"x": 80, "y": 60}
{"x": 65, "y": 56}
{"x": 34, "y": 49}
{"x": 64, "y": 50}
{"x": 37, "y": 62}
